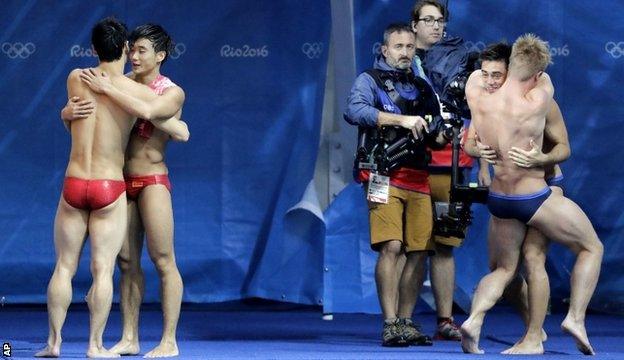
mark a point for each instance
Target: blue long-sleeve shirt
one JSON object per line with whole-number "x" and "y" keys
{"x": 361, "y": 109}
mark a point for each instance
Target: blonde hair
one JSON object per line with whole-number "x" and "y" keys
{"x": 529, "y": 56}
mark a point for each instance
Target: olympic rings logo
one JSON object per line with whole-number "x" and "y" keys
{"x": 177, "y": 51}
{"x": 17, "y": 49}
{"x": 377, "y": 48}
{"x": 475, "y": 46}
{"x": 616, "y": 50}
{"x": 312, "y": 50}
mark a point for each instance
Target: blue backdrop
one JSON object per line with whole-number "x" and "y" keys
{"x": 588, "y": 53}
{"x": 254, "y": 75}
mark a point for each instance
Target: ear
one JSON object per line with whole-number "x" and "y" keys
{"x": 413, "y": 24}
{"x": 160, "y": 56}
{"x": 384, "y": 50}
{"x": 126, "y": 47}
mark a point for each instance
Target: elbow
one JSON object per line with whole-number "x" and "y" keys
{"x": 566, "y": 153}
{"x": 145, "y": 114}
{"x": 182, "y": 137}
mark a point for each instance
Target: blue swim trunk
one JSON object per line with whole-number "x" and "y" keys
{"x": 555, "y": 181}
{"x": 519, "y": 207}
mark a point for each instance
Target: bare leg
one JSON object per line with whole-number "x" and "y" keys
{"x": 70, "y": 229}
{"x": 534, "y": 253}
{"x": 517, "y": 291}
{"x": 443, "y": 279}
{"x": 411, "y": 283}
{"x": 561, "y": 220}
{"x": 157, "y": 215}
{"x": 107, "y": 228}
{"x": 132, "y": 283}
{"x": 402, "y": 258}
{"x": 510, "y": 234}
{"x": 386, "y": 279}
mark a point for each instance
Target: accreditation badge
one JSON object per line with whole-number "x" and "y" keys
{"x": 378, "y": 188}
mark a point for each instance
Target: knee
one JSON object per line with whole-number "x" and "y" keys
{"x": 443, "y": 252}
{"x": 163, "y": 262}
{"x": 597, "y": 247}
{"x": 534, "y": 260}
{"x": 492, "y": 265}
{"x": 593, "y": 247}
{"x": 101, "y": 268}
{"x": 415, "y": 256}
{"x": 66, "y": 268}
{"x": 128, "y": 265}
{"x": 391, "y": 249}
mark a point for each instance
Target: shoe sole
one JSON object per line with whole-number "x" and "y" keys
{"x": 396, "y": 343}
{"x": 444, "y": 338}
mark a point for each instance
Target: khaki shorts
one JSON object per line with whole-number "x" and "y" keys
{"x": 440, "y": 191}
{"x": 406, "y": 217}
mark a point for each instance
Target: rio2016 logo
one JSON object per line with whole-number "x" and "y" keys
{"x": 560, "y": 51}
{"x": 245, "y": 51}
{"x": 79, "y": 51}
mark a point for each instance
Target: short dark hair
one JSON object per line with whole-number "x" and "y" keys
{"x": 500, "y": 51}
{"x": 156, "y": 35}
{"x": 109, "y": 37}
{"x": 422, "y": 3}
{"x": 395, "y": 27}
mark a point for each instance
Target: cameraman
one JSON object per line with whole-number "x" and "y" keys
{"x": 429, "y": 19}
{"x": 401, "y": 221}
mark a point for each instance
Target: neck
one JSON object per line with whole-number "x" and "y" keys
{"x": 422, "y": 45}
{"x": 147, "y": 78}
{"x": 522, "y": 86}
{"x": 113, "y": 68}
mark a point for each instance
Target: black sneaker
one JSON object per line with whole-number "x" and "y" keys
{"x": 391, "y": 335}
{"x": 413, "y": 334}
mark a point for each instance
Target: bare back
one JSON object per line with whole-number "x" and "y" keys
{"x": 509, "y": 118}
{"x": 99, "y": 141}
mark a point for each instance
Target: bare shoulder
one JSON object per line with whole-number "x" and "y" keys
{"x": 175, "y": 91}
{"x": 74, "y": 76}
{"x": 474, "y": 84}
{"x": 75, "y": 86}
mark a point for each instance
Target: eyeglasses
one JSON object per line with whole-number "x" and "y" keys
{"x": 429, "y": 21}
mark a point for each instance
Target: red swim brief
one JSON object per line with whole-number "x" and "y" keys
{"x": 136, "y": 184}
{"x": 91, "y": 194}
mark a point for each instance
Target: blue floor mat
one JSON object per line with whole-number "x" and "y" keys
{"x": 297, "y": 334}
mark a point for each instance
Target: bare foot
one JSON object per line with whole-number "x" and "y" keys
{"x": 126, "y": 347}
{"x": 470, "y": 337}
{"x": 49, "y": 351}
{"x": 578, "y": 332}
{"x": 164, "y": 349}
{"x": 101, "y": 353}
{"x": 525, "y": 347}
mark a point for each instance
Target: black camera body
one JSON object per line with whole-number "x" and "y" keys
{"x": 385, "y": 148}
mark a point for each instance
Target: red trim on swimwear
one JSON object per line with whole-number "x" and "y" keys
{"x": 136, "y": 184}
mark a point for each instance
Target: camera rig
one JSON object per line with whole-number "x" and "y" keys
{"x": 453, "y": 218}
{"x": 388, "y": 147}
